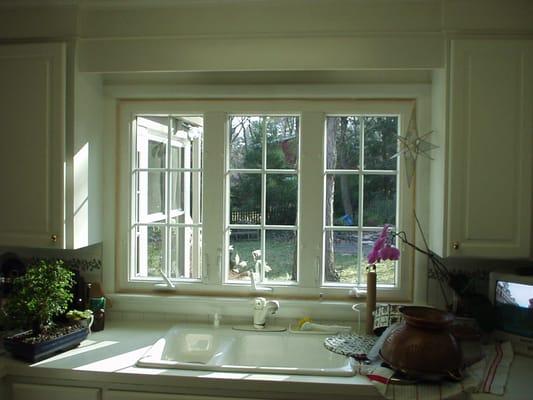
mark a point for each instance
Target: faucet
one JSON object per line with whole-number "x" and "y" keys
{"x": 262, "y": 308}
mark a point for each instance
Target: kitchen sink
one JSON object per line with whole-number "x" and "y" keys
{"x": 225, "y": 349}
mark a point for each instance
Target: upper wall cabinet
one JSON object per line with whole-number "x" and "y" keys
{"x": 489, "y": 149}
{"x": 32, "y": 130}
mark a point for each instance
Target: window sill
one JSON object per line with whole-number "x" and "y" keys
{"x": 201, "y": 308}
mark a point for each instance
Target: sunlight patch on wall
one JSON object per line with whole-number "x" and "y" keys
{"x": 81, "y": 197}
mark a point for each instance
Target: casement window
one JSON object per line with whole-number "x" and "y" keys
{"x": 166, "y": 186}
{"x": 360, "y": 187}
{"x": 290, "y": 194}
{"x": 262, "y": 184}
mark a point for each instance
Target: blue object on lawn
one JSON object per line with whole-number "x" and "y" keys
{"x": 347, "y": 220}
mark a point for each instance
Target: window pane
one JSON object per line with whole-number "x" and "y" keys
{"x": 185, "y": 195}
{"x": 187, "y": 135}
{"x": 282, "y": 199}
{"x": 244, "y": 253}
{"x": 156, "y": 154}
{"x": 150, "y": 250}
{"x": 381, "y": 142}
{"x": 282, "y": 141}
{"x": 280, "y": 248}
{"x": 150, "y": 195}
{"x": 341, "y": 250}
{"x": 379, "y": 200}
{"x": 185, "y": 252}
{"x": 245, "y": 198}
{"x": 246, "y": 141}
{"x": 385, "y": 270}
{"x": 343, "y": 137}
{"x": 342, "y": 200}
{"x": 156, "y": 192}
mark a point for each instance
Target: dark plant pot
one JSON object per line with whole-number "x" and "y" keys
{"x": 40, "y": 351}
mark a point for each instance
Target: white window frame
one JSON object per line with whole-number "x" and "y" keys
{"x": 360, "y": 173}
{"x": 311, "y": 173}
{"x": 263, "y": 172}
{"x": 144, "y": 131}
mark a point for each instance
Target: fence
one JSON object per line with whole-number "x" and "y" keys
{"x": 274, "y": 216}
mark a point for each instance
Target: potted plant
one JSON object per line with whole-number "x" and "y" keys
{"x": 42, "y": 293}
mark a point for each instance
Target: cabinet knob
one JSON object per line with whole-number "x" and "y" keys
{"x": 455, "y": 245}
{"x": 53, "y": 238}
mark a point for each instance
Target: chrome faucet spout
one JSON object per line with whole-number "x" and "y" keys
{"x": 262, "y": 308}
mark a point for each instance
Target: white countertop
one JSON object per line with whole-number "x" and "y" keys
{"x": 108, "y": 358}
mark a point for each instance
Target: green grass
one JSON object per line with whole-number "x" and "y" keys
{"x": 280, "y": 256}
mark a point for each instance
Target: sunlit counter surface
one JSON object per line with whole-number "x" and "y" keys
{"x": 107, "y": 360}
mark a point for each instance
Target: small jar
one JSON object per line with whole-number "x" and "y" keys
{"x": 99, "y": 320}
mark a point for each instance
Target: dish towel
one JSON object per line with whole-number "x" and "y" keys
{"x": 488, "y": 376}
{"x": 497, "y": 362}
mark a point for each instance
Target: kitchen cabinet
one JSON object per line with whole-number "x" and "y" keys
{"x": 129, "y": 395}
{"x": 487, "y": 178}
{"x": 32, "y": 115}
{"x": 23, "y": 391}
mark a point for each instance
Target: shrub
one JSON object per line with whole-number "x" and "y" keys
{"x": 42, "y": 293}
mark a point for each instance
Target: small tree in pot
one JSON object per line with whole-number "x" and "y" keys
{"x": 41, "y": 294}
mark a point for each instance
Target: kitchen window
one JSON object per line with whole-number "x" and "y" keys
{"x": 262, "y": 184}
{"x": 360, "y": 187}
{"x": 290, "y": 193}
{"x": 166, "y": 175}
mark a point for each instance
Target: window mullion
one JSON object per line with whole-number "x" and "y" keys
{"x": 263, "y": 206}
{"x": 215, "y": 203}
{"x": 361, "y": 201}
{"x": 311, "y": 195}
{"x": 168, "y": 241}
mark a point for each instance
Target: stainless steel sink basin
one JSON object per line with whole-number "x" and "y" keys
{"x": 224, "y": 349}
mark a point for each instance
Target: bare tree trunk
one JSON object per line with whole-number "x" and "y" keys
{"x": 343, "y": 162}
{"x": 331, "y": 274}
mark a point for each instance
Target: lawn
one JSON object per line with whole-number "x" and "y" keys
{"x": 280, "y": 258}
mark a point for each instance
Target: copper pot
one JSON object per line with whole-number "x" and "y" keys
{"x": 422, "y": 346}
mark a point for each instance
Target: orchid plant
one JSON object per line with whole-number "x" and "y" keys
{"x": 383, "y": 248}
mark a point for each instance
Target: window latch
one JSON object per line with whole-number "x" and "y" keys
{"x": 167, "y": 285}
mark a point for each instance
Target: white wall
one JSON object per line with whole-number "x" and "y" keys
{"x": 378, "y": 38}
{"x": 88, "y": 159}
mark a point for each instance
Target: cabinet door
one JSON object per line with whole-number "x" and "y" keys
{"x": 32, "y": 103}
{"x": 128, "y": 395}
{"x": 22, "y": 391}
{"x": 490, "y": 145}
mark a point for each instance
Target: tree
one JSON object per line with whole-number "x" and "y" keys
{"x": 42, "y": 293}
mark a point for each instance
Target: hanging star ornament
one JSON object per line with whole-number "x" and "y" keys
{"x": 412, "y": 145}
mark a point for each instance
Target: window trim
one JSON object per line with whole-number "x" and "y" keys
{"x": 263, "y": 171}
{"x": 215, "y": 112}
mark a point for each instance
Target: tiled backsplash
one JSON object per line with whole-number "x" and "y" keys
{"x": 93, "y": 252}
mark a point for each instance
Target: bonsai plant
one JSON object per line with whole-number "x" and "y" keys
{"x": 41, "y": 294}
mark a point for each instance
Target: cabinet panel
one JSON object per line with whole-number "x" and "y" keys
{"x": 129, "y": 395}
{"x": 22, "y": 391}
{"x": 489, "y": 210}
{"x": 32, "y": 144}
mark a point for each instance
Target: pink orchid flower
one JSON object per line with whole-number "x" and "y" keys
{"x": 383, "y": 248}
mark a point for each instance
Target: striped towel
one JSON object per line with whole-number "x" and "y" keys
{"x": 488, "y": 375}
{"x": 498, "y": 358}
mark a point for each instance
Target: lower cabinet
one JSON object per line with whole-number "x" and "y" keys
{"x": 23, "y": 391}
{"x": 26, "y": 391}
{"x": 128, "y": 395}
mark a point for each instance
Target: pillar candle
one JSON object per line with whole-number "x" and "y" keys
{"x": 370, "y": 299}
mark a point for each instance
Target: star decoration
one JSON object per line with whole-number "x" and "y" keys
{"x": 412, "y": 145}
